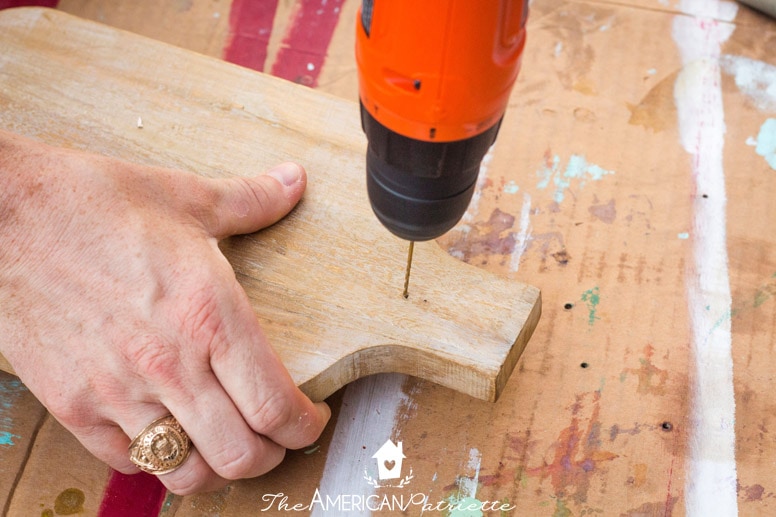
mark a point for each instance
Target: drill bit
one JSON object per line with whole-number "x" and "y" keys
{"x": 407, "y": 273}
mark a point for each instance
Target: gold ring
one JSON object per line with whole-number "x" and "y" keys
{"x": 161, "y": 447}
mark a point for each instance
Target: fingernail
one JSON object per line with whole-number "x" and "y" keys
{"x": 286, "y": 173}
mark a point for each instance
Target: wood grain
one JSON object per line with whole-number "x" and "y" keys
{"x": 326, "y": 282}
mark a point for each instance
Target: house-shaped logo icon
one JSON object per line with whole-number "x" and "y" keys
{"x": 389, "y": 458}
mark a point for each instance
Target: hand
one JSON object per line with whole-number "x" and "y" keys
{"x": 118, "y": 308}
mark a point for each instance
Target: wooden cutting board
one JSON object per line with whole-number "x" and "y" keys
{"x": 326, "y": 282}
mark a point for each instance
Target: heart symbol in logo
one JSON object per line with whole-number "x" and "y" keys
{"x": 389, "y": 464}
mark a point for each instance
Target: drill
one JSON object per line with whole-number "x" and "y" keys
{"x": 434, "y": 82}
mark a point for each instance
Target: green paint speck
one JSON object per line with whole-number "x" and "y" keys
{"x": 168, "y": 500}
{"x": 760, "y": 297}
{"x": 561, "y": 510}
{"x": 312, "y": 449}
{"x": 70, "y": 502}
{"x": 683, "y": 235}
{"x": 505, "y": 502}
{"x": 521, "y": 478}
{"x": 592, "y": 298}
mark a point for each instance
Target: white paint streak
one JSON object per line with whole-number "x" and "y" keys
{"x": 467, "y": 485}
{"x": 521, "y": 241}
{"x": 710, "y": 487}
{"x": 474, "y": 204}
{"x": 367, "y": 418}
{"x": 464, "y": 226}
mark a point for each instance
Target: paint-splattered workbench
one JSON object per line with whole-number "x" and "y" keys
{"x": 632, "y": 182}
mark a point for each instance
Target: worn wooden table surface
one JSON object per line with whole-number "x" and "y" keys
{"x": 632, "y": 182}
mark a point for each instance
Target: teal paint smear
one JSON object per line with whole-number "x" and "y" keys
{"x": 766, "y": 142}
{"x": 755, "y": 79}
{"x": 511, "y": 187}
{"x": 546, "y": 173}
{"x": 578, "y": 169}
{"x": 465, "y": 507}
{"x": 592, "y": 298}
{"x": 10, "y": 390}
{"x": 683, "y": 235}
{"x": 6, "y": 438}
{"x": 12, "y": 386}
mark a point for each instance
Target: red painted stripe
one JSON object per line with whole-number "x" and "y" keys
{"x": 4, "y": 4}
{"x": 250, "y": 26}
{"x": 304, "y": 47}
{"x": 138, "y": 495}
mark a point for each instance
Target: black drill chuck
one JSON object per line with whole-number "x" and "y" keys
{"x": 419, "y": 190}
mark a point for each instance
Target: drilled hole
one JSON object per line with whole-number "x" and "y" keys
{"x": 568, "y": 306}
{"x": 583, "y": 365}
{"x": 667, "y": 426}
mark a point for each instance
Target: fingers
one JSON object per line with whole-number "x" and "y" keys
{"x": 245, "y": 205}
{"x": 239, "y": 406}
{"x": 224, "y": 447}
{"x": 260, "y": 386}
{"x": 218, "y": 430}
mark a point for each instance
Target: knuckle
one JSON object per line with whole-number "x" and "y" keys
{"x": 185, "y": 482}
{"x": 201, "y": 320}
{"x": 231, "y": 464}
{"x": 152, "y": 357}
{"x": 71, "y": 413}
{"x": 273, "y": 413}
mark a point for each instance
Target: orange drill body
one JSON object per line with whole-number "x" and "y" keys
{"x": 439, "y": 70}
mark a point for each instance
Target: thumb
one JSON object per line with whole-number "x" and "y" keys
{"x": 245, "y": 205}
